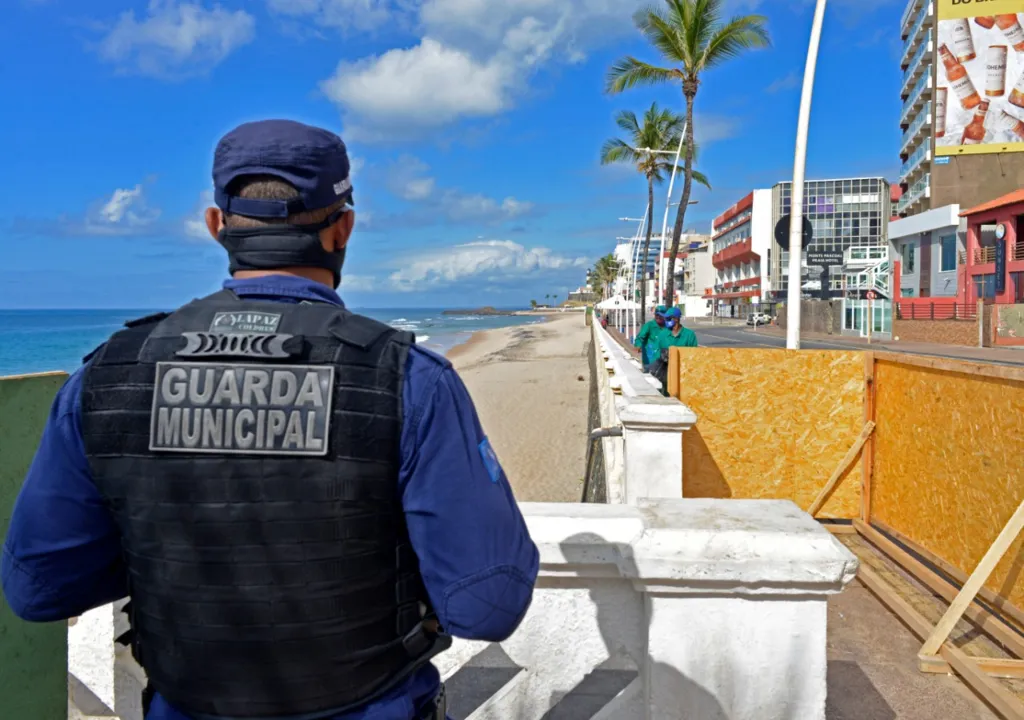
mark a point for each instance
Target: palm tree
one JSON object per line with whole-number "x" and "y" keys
{"x": 605, "y": 271}
{"x": 692, "y": 37}
{"x": 661, "y": 130}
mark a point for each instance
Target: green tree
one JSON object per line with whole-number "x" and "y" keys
{"x": 660, "y": 130}
{"x": 603, "y": 275}
{"x": 533, "y": 304}
{"x": 691, "y": 37}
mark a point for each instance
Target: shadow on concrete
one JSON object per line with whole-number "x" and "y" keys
{"x": 852, "y": 695}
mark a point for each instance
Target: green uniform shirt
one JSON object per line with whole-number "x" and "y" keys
{"x": 647, "y": 340}
{"x": 685, "y": 338}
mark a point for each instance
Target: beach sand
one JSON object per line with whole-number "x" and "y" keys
{"x": 530, "y": 386}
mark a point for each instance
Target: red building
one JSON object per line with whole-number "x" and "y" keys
{"x": 995, "y": 251}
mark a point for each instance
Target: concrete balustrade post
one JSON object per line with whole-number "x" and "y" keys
{"x": 735, "y": 596}
{"x": 653, "y": 437}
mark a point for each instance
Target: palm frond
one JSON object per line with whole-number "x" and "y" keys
{"x": 626, "y": 119}
{"x": 730, "y": 40}
{"x": 618, "y": 151}
{"x": 699, "y": 177}
{"x": 662, "y": 33}
{"x": 630, "y": 72}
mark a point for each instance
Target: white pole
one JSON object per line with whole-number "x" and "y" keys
{"x": 664, "y": 223}
{"x": 799, "y": 163}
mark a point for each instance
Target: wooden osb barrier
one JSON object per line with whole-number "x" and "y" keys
{"x": 948, "y": 470}
{"x": 773, "y": 424}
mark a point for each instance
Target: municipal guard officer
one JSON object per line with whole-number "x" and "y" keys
{"x": 299, "y": 501}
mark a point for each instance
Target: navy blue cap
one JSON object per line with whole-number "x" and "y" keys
{"x": 311, "y": 159}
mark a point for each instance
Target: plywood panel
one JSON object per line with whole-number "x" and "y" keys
{"x": 33, "y": 657}
{"x": 772, "y": 424}
{"x": 949, "y": 467}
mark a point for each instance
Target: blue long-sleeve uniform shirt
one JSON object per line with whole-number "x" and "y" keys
{"x": 62, "y": 555}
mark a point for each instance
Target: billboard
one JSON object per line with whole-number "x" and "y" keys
{"x": 979, "y": 96}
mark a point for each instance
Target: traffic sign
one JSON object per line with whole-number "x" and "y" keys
{"x": 872, "y": 295}
{"x": 782, "y": 231}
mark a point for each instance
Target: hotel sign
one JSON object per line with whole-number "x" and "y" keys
{"x": 824, "y": 258}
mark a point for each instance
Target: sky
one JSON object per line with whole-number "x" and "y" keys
{"x": 474, "y": 128}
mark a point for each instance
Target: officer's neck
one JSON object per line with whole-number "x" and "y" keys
{"x": 324, "y": 277}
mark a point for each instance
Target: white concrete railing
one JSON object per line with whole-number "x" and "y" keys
{"x": 671, "y": 609}
{"x": 647, "y": 461}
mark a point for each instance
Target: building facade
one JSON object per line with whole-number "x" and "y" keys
{"x": 741, "y": 246}
{"x": 844, "y": 213}
{"x": 962, "y": 115}
{"x": 929, "y": 247}
{"x": 994, "y": 257}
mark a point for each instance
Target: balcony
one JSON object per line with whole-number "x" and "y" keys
{"x": 918, "y": 191}
{"x": 920, "y": 93}
{"x": 919, "y": 129}
{"x": 908, "y": 15}
{"x": 983, "y": 255}
{"x": 1017, "y": 251}
{"x": 736, "y": 254}
{"x": 914, "y": 36}
{"x": 917, "y": 63}
{"x": 865, "y": 255}
{"x": 915, "y": 162}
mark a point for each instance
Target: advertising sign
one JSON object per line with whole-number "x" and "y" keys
{"x": 1000, "y": 266}
{"x": 979, "y": 96}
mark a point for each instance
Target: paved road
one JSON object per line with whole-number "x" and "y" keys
{"x": 741, "y": 336}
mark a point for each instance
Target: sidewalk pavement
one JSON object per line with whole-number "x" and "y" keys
{"x": 1003, "y": 356}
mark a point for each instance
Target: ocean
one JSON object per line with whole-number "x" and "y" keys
{"x": 34, "y": 341}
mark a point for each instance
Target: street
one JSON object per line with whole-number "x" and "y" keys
{"x": 741, "y": 336}
{"x": 734, "y": 335}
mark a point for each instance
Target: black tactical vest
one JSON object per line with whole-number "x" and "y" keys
{"x": 249, "y": 452}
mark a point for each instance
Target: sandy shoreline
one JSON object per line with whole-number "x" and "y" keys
{"x": 530, "y": 386}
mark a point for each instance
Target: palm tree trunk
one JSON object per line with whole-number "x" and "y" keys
{"x": 684, "y": 201}
{"x": 647, "y": 248}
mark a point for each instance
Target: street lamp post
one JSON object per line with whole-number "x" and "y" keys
{"x": 799, "y": 165}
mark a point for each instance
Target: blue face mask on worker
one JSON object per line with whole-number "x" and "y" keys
{"x": 670, "y": 323}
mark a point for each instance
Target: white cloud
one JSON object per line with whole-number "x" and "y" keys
{"x": 427, "y": 85}
{"x": 176, "y": 39}
{"x": 195, "y": 224}
{"x": 491, "y": 259}
{"x": 474, "y": 59}
{"x": 125, "y": 212}
{"x": 358, "y": 283}
{"x": 409, "y": 179}
{"x": 790, "y": 81}
{"x": 345, "y": 15}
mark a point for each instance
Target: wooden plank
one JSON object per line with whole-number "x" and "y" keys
{"x": 674, "y": 370}
{"x": 868, "y": 458}
{"x": 992, "y": 691}
{"x": 837, "y": 529}
{"x": 974, "y": 583}
{"x": 838, "y": 473}
{"x": 995, "y": 667}
{"x": 1006, "y": 372}
{"x": 997, "y": 601}
{"x": 915, "y": 621}
{"x": 1005, "y": 634}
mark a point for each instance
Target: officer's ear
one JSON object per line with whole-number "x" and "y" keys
{"x": 214, "y": 221}
{"x": 342, "y": 230}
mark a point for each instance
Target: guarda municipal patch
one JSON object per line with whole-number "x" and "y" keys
{"x": 245, "y": 322}
{"x": 241, "y": 409}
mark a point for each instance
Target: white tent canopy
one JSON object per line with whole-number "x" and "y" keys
{"x": 618, "y": 303}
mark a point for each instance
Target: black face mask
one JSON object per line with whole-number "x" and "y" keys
{"x": 274, "y": 247}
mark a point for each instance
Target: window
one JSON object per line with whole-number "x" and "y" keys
{"x": 947, "y": 261}
{"x": 985, "y": 286}
{"x": 907, "y": 252}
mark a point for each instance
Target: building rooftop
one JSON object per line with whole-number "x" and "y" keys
{"x": 1017, "y": 196}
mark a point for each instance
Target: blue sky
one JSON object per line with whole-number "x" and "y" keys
{"x": 474, "y": 126}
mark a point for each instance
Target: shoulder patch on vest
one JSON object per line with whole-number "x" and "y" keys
{"x": 241, "y": 409}
{"x": 490, "y": 459}
{"x": 147, "y": 320}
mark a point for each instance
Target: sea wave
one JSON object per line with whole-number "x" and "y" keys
{"x": 422, "y": 338}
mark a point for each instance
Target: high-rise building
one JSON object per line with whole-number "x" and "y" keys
{"x": 844, "y": 213}
{"x": 963, "y": 105}
{"x": 741, "y": 246}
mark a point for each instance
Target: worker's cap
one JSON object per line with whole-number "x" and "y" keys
{"x": 311, "y": 159}
{"x": 660, "y": 310}
{"x": 673, "y": 313}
